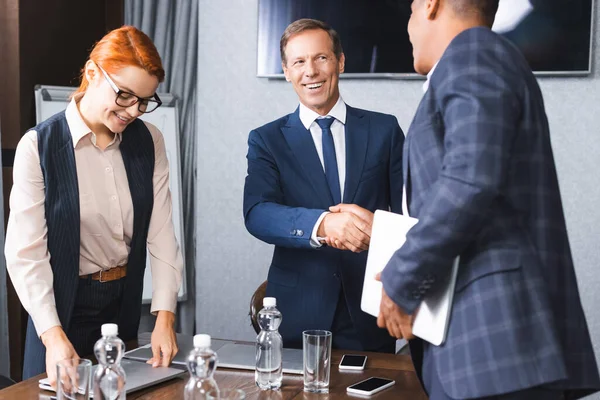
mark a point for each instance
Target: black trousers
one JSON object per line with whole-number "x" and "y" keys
{"x": 96, "y": 303}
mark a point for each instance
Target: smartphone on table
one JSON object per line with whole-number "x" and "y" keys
{"x": 353, "y": 362}
{"x": 370, "y": 386}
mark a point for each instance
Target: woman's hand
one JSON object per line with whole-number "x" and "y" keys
{"x": 58, "y": 348}
{"x": 163, "y": 340}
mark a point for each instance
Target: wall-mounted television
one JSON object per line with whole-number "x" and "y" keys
{"x": 554, "y": 35}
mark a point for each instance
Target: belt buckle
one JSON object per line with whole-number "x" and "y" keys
{"x": 100, "y": 280}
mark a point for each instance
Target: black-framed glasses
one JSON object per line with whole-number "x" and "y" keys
{"x": 127, "y": 99}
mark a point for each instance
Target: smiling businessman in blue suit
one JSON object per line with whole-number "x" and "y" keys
{"x": 299, "y": 166}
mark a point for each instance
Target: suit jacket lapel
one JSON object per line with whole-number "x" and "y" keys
{"x": 357, "y": 138}
{"x": 302, "y": 145}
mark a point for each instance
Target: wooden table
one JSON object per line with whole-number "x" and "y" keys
{"x": 396, "y": 367}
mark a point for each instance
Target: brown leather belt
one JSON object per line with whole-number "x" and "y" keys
{"x": 109, "y": 274}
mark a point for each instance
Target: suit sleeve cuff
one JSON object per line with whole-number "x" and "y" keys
{"x": 314, "y": 242}
{"x": 395, "y": 287}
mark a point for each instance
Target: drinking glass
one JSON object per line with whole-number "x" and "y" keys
{"x": 73, "y": 378}
{"x": 316, "y": 351}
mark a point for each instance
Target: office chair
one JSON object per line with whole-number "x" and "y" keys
{"x": 5, "y": 382}
{"x": 256, "y": 304}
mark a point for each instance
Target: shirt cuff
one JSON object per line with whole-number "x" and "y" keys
{"x": 45, "y": 318}
{"x": 163, "y": 300}
{"x": 314, "y": 242}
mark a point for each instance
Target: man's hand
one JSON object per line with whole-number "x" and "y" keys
{"x": 345, "y": 230}
{"x": 58, "y": 348}
{"x": 362, "y": 213}
{"x": 163, "y": 340}
{"x": 397, "y": 322}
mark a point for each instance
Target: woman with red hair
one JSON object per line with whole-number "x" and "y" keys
{"x": 90, "y": 196}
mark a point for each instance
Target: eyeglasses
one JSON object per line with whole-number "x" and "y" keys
{"x": 127, "y": 99}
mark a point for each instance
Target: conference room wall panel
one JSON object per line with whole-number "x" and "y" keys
{"x": 232, "y": 101}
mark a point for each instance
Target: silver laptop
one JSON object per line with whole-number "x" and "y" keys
{"x": 139, "y": 376}
{"x": 243, "y": 356}
{"x": 185, "y": 343}
{"x": 231, "y": 355}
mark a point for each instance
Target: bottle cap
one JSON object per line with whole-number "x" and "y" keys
{"x": 109, "y": 329}
{"x": 269, "y": 302}
{"x": 202, "y": 340}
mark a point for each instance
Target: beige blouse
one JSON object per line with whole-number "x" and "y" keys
{"x": 106, "y": 212}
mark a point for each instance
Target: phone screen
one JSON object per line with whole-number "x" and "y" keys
{"x": 351, "y": 360}
{"x": 370, "y": 384}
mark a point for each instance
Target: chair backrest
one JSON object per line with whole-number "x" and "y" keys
{"x": 256, "y": 303}
{"x": 5, "y": 382}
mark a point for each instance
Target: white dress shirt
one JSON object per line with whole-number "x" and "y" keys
{"x": 308, "y": 118}
{"x": 106, "y": 212}
{"x": 426, "y": 84}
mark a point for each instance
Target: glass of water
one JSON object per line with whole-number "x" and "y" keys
{"x": 73, "y": 379}
{"x": 316, "y": 351}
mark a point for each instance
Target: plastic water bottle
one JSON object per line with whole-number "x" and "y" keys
{"x": 109, "y": 378}
{"x": 269, "y": 347}
{"x": 201, "y": 364}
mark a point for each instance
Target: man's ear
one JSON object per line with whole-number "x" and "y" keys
{"x": 285, "y": 71}
{"x": 342, "y": 63}
{"x": 431, "y": 8}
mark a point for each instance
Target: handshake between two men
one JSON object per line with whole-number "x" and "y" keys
{"x": 348, "y": 227}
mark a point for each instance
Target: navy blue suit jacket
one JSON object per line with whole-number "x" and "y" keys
{"x": 481, "y": 180}
{"x": 285, "y": 193}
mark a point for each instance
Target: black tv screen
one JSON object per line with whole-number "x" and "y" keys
{"x": 554, "y": 35}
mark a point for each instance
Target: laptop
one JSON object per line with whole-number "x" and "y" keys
{"x": 230, "y": 354}
{"x": 139, "y": 376}
{"x": 388, "y": 234}
{"x": 185, "y": 343}
{"x": 243, "y": 356}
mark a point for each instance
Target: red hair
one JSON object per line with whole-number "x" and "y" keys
{"x": 123, "y": 47}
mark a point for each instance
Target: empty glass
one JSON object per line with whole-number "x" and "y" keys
{"x": 316, "y": 351}
{"x": 73, "y": 379}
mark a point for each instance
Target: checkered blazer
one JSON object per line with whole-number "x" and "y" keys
{"x": 481, "y": 180}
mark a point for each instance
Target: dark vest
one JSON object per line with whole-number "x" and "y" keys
{"x": 57, "y": 161}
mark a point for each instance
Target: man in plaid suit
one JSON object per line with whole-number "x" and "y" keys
{"x": 480, "y": 177}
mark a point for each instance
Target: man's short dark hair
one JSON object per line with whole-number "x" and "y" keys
{"x": 485, "y": 9}
{"x": 306, "y": 24}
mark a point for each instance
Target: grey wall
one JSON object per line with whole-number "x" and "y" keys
{"x": 232, "y": 101}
